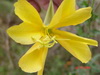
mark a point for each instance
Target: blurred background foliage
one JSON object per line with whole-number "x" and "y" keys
{"x": 59, "y": 61}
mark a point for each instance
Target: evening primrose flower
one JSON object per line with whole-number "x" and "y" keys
{"x": 46, "y": 34}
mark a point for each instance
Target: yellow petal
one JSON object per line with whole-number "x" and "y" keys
{"x": 24, "y": 32}
{"x": 79, "y": 50}
{"x": 25, "y": 11}
{"x": 78, "y": 17}
{"x": 41, "y": 71}
{"x": 66, "y": 8}
{"x": 63, "y": 35}
{"x": 44, "y": 58}
{"x": 33, "y": 60}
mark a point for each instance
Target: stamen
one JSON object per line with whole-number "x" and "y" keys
{"x": 46, "y": 41}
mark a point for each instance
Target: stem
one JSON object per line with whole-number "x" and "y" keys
{"x": 7, "y": 49}
{"x": 7, "y": 43}
{"x": 92, "y": 3}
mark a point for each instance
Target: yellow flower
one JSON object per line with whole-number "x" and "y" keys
{"x": 33, "y": 30}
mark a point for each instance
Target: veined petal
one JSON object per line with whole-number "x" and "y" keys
{"x": 78, "y": 17}
{"x": 25, "y": 11}
{"x": 70, "y": 36}
{"x": 79, "y": 50}
{"x": 24, "y": 33}
{"x": 66, "y": 8}
{"x": 33, "y": 60}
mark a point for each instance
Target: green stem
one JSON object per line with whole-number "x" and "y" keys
{"x": 92, "y": 3}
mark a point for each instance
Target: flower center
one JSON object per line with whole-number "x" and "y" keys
{"x": 47, "y": 40}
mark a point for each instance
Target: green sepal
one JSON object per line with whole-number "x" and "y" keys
{"x": 49, "y": 14}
